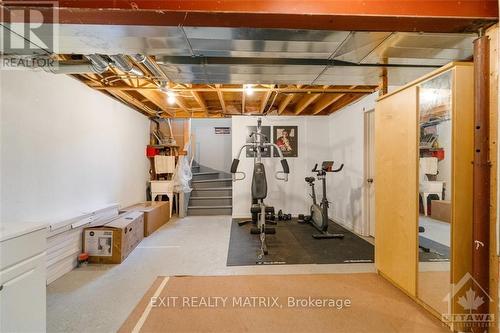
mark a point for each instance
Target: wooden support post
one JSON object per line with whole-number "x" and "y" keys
{"x": 481, "y": 189}
{"x": 382, "y": 89}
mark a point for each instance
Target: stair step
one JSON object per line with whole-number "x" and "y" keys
{"x": 220, "y": 182}
{"x": 209, "y": 210}
{"x": 211, "y": 201}
{"x": 205, "y": 175}
{"x": 212, "y": 192}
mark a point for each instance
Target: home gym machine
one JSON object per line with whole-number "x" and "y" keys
{"x": 258, "y": 209}
{"x": 319, "y": 213}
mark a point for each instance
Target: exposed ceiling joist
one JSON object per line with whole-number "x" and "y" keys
{"x": 221, "y": 98}
{"x": 342, "y": 102}
{"x": 324, "y": 102}
{"x": 284, "y": 103}
{"x": 200, "y": 101}
{"x": 182, "y": 104}
{"x": 158, "y": 98}
{"x": 219, "y": 87}
{"x": 265, "y": 99}
{"x": 304, "y": 102}
{"x": 287, "y": 99}
{"x": 130, "y": 100}
{"x": 243, "y": 96}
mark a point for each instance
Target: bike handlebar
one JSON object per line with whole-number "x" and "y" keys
{"x": 315, "y": 169}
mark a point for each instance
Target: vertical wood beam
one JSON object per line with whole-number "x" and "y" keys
{"x": 383, "y": 83}
{"x": 481, "y": 188}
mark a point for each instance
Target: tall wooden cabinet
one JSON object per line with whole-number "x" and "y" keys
{"x": 397, "y": 153}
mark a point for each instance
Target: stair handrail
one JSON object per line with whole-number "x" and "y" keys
{"x": 189, "y": 149}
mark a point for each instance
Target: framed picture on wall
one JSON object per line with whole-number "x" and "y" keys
{"x": 266, "y": 130}
{"x": 286, "y": 138}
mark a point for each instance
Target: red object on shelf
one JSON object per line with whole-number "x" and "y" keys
{"x": 439, "y": 154}
{"x": 151, "y": 151}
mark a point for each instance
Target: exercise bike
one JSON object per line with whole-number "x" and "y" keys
{"x": 319, "y": 213}
{"x": 258, "y": 209}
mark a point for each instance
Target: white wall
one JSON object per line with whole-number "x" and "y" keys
{"x": 212, "y": 150}
{"x": 345, "y": 189}
{"x": 66, "y": 148}
{"x": 292, "y": 196}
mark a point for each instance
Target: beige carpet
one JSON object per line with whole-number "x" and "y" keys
{"x": 376, "y": 306}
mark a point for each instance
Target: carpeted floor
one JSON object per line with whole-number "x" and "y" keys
{"x": 364, "y": 302}
{"x": 293, "y": 244}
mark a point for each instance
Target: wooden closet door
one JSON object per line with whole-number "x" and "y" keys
{"x": 396, "y": 188}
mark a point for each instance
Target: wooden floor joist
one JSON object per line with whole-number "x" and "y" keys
{"x": 218, "y": 100}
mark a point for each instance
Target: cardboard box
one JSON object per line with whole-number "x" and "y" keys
{"x": 156, "y": 214}
{"x": 441, "y": 210}
{"x": 113, "y": 242}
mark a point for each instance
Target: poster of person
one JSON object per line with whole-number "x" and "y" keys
{"x": 266, "y": 130}
{"x": 286, "y": 138}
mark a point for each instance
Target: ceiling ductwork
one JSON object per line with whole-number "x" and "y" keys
{"x": 59, "y": 68}
{"x": 153, "y": 67}
{"x": 99, "y": 64}
{"x": 122, "y": 62}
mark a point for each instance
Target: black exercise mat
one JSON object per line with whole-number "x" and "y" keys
{"x": 436, "y": 251}
{"x": 293, "y": 244}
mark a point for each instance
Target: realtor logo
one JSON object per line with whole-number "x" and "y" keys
{"x": 29, "y": 28}
{"x": 469, "y": 295}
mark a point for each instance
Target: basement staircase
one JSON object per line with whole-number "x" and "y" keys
{"x": 212, "y": 192}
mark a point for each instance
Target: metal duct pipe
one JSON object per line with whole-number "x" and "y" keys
{"x": 100, "y": 65}
{"x": 152, "y": 67}
{"x": 71, "y": 69}
{"x": 125, "y": 65}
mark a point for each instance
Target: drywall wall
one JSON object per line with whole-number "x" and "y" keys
{"x": 66, "y": 148}
{"x": 212, "y": 150}
{"x": 292, "y": 196}
{"x": 347, "y": 146}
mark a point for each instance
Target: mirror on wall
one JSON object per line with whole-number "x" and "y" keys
{"x": 435, "y": 191}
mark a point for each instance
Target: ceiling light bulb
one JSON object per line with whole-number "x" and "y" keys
{"x": 249, "y": 90}
{"x": 171, "y": 99}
